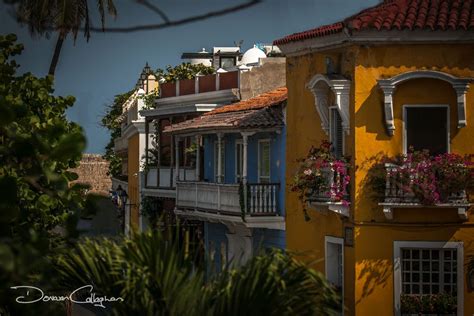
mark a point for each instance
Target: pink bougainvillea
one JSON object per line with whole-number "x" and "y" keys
{"x": 431, "y": 179}
{"x": 322, "y": 176}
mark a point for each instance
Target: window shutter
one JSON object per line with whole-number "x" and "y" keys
{"x": 336, "y": 133}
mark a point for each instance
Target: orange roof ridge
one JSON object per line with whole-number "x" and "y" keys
{"x": 398, "y": 15}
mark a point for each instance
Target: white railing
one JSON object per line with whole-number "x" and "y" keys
{"x": 167, "y": 178}
{"x": 334, "y": 184}
{"x": 262, "y": 198}
{"x": 212, "y": 197}
{"x": 398, "y": 186}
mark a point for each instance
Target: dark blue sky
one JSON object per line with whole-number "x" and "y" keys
{"x": 110, "y": 63}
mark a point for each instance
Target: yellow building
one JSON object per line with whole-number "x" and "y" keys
{"x": 130, "y": 147}
{"x": 390, "y": 77}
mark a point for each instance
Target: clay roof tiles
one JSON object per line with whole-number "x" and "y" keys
{"x": 257, "y": 112}
{"x": 434, "y": 15}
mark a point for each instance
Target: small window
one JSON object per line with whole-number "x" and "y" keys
{"x": 336, "y": 133}
{"x": 427, "y": 128}
{"x": 164, "y": 143}
{"x": 227, "y": 62}
{"x": 429, "y": 271}
{"x": 334, "y": 265}
{"x": 239, "y": 160}
{"x": 216, "y": 173}
{"x": 264, "y": 161}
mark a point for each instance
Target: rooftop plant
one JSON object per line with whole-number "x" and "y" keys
{"x": 183, "y": 71}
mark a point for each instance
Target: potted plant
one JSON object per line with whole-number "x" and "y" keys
{"x": 422, "y": 178}
{"x": 428, "y": 304}
{"x": 321, "y": 176}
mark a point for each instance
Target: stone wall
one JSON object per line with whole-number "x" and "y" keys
{"x": 93, "y": 171}
{"x": 268, "y": 75}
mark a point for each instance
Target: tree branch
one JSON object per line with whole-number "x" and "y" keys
{"x": 196, "y": 18}
{"x": 155, "y": 9}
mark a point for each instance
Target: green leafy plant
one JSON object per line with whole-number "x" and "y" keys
{"x": 110, "y": 121}
{"x": 183, "y": 71}
{"x": 38, "y": 205}
{"x": 155, "y": 276}
{"x": 152, "y": 209}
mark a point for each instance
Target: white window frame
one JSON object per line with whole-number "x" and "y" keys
{"x": 404, "y": 123}
{"x": 397, "y": 268}
{"x": 331, "y": 136}
{"x": 216, "y": 157}
{"x": 266, "y": 140}
{"x": 339, "y": 241}
{"x": 237, "y": 143}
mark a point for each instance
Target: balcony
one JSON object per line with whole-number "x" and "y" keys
{"x": 399, "y": 193}
{"x": 333, "y": 193}
{"x": 200, "y": 84}
{"x": 226, "y": 202}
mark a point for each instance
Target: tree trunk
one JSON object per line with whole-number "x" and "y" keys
{"x": 57, "y": 52}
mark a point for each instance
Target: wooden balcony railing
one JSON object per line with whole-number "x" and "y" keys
{"x": 225, "y": 199}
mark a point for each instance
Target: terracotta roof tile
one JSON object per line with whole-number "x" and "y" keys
{"x": 259, "y": 112}
{"x": 262, "y": 100}
{"x": 399, "y": 14}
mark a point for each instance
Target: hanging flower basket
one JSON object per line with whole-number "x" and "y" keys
{"x": 321, "y": 177}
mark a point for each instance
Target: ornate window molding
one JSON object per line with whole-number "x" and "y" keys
{"x": 388, "y": 86}
{"x": 320, "y": 85}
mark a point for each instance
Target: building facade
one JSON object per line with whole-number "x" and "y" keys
{"x": 390, "y": 78}
{"x": 237, "y": 189}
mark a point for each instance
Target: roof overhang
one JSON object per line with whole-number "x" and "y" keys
{"x": 269, "y": 222}
{"x": 375, "y": 37}
{"x": 226, "y": 130}
{"x": 200, "y": 102}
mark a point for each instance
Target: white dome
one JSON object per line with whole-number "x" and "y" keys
{"x": 252, "y": 56}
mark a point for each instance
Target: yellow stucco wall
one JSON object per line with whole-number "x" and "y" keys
{"x": 369, "y": 264}
{"x": 133, "y": 171}
{"x": 303, "y": 131}
{"x": 374, "y": 234}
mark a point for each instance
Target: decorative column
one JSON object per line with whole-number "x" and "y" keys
{"x": 244, "y": 157}
{"x": 342, "y": 89}
{"x": 245, "y": 168}
{"x": 176, "y": 149}
{"x": 219, "y": 158}
{"x": 461, "y": 87}
{"x": 198, "y": 158}
{"x": 388, "y": 91}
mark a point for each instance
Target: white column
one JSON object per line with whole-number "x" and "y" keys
{"x": 244, "y": 168}
{"x": 176, "y": 150}
{"x": 244, "y": 157}
{"x": 219, "y": 158}
{"x": 198, "y": 157}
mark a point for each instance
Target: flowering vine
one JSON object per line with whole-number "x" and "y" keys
{"x": 425, "y": 178}
{"x": 322, "y": 177}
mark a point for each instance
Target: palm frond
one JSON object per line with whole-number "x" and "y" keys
{"x": 154, "y": 276}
